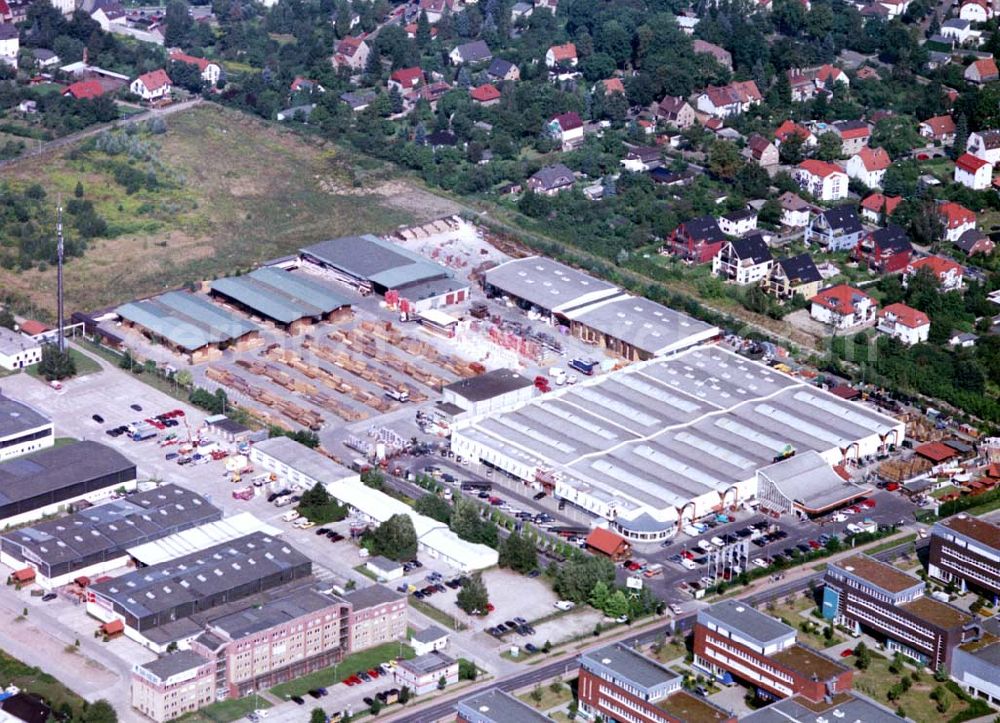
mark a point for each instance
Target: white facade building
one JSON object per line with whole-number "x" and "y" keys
{"x": 18, "y": 351}
{"x": 22, "y": 429}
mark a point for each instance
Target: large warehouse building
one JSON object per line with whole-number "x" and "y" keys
{"x": 188, "y": 324}
{"x": 596, "y": 311}
{"x": 291, "y": 301}
{"x": 668, "y": 440}
{"x": 96, "y": 540}
{"x": 155, "y": 597}
{"x": 22, "y": 429}
{"x": 370, "y": 264}
{"x": 43, "y": 483}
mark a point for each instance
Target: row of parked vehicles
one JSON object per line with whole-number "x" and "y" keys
{"x": 517, "y": 625}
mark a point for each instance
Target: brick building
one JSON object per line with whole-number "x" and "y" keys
{"x": 966, "y": 551}
{"x": 619, "y": 683}
{"x": 173, "y": 685}
{"x": 378, "y": 615}
{"x": 733, "y": 638}
{"x": 862, "y": 593}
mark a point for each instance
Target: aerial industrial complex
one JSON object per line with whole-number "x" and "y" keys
{"x": 669, "y": 440}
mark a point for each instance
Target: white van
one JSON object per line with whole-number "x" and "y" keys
{"x": 565, "y": 604}
{"x": 290, "y": 515}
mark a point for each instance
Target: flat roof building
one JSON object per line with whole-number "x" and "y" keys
{"x": 22, "y": 429}
{"x": 849, "y": 707}
{"x": 423, "y": 673}
{"x": 289, "y": 300}
{"x": 297, "y": 464}
{"x": 805, "y": 484}
{"x": 976, "y": 665}
{"x": 189, "y": 324}
{"x": 595, "y": 310}
{"x": 487, "y": 392}
{"x": 161, "y": 594}
{"x": 664, "y": 441}
{"x": 733, "y": 640}
{"x": 965, "y": 550}
{"x": 862, "y": 593}
{"x": 96, "y": 540}
{"x": 18, "y": 351}
{"x": 496, "y": 706}
{"x": 45, "y": 482}
{"x": 371, "y": 264}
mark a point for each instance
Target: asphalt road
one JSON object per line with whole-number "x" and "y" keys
{"x": 546, "y": 672}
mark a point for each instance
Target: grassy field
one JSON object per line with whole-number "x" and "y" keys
{"x": 241, "y": 191}
{"x": 84, "y": 365}
{"x": 33, "y": 680}
{"x": 226, "y": 710}
{"x": 549, "y": 698}
{"x": 362, "y": 660}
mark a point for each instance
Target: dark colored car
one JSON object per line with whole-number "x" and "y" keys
{"x": 538, "y": 496}
{"x": 49, "y": 596}
{"x": 531, "y": 648}
{"x": 135, "y": 407}
{"x": 322, "y": 531}
{"x": 295, "y": 698}
{"x": 98, "y": 418}
{"x": 314, "y": 694}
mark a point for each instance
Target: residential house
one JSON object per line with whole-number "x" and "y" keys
{"x": 959, "y": 30}
{"x": 790, "y": 128}
{"x": 567, "y": 129}
{"x": 885, "y": 250}
{"x": 854, "y": 135}
{"x": 794, "y": 275}
{"x": 738, "y": 223}
{"x": 721, "y": 55}
{"x": 762, "y": 151}
{"x": 973, "y": 172}
{"x": 825, "y": 181}
{"x": 940, "y": 128}
{"x": 433, "y": 92}
{"x": 10, "y": 44}
{"x": 904, "y": 323}
{"x": 962, "y": 339}
{"x": 519, "y": 11}
{"x": 985, "y": 145}
{"x": 982, "y": 71}
{"x": 485, "y": 94}
{"x": 867, "y": 72}
{"x": 806, "y": 83}
{"x": 878, "y": 208}
{"x": 423, "y": 674}
{"x": 729, "y": 100}
{"x": 210, "y": 70}
{"x": 358, "y": 100}
{"x": 406, "y": 79}
{"x": 696, "y": 241}
{"x": 152, "y": 86}
{"x": 608, "y": 543}
{"x": 468, "y": 53}
{"x": 45, "y": 58}
{"x": 561, "y": 56}
{"x": 956, "y": 220}
{"x": 836, "y": 229}
{"x": 501, "y": 69}
{"x": 411, "y": 31}
{"x": 743, "y": 261}
{"x": 642, "y": 158}
{"x": 436, "y": 9}
{"x": 305, "y": 85}
{"x": 611, "y": 85}
{"x": 794, "y": 210}
{"x": 869, "y": 166}
{"x": 352, "y": 53}
{"x": 108, "y": 13}
{"x": 947, "y": 273}
{"x": 676, "y": 111}
{"x": 843, "y": 307}
{"x": 6, "y": 15}
{"x": 976, "y": 11}
{"x": 550, "y": 5}
{"x": 974, "y": 242}
{"x": 551, "y": 180}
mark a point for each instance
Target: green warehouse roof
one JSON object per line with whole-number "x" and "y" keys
{"x": 187, "y": 321}
{"x": 280, "y": 295}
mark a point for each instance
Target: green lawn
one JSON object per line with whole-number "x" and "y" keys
{"x": 226, "y": 710}
{"x": 34, "y": 680}
{"x": 438, "y": 616}
{"x": 64, "y": 441}
{"x": 84, "y": 365}
{"x": 363, "y": 569}
{"x": 350, "y": 665}
{"x": 549, "y": 698}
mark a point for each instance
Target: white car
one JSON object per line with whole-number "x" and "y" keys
{"x": 758, "y": 562}
{"x": 717, "y": 541}
{"x": 675, "y": 609}
{"x": 691, "y": 530}
{"x": 705, "y": 545}
{"x": 565, "y": 604}
{"x": 290, "y": 515}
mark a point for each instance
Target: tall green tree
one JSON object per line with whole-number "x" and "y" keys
{"x": 434, "y": 507}
{"x": 473, "y": 597}
{"x": 829, "y": 147}
{"x": 395, "y": 538}
{"x": 576, "y": 579}
{"x": 56, "y": 364}
{"x": 518, "y": 553}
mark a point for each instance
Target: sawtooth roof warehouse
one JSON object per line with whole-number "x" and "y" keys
{"x": 669, "y": 440}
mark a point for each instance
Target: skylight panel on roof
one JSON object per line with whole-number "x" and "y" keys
{"x": 531, "y": 433}
{"x": 674, "y": 465}
{"x": 839, "y": 410}
{"x": 661, "y": 395}
{"x": 579, "y": 421}
{"x": 717, "y": 451}
{"x": 751, "y": 435}
{"x": 797, "y": 423}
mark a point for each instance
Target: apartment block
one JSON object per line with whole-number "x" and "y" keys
{"x": 173, "y": 685}
{"x": 966, "y": 551}
{"x": 378, "y": 615}
{"x": 862, "y": 593}
{"x": 619, "y": 683}
{"x": 733, "y": 639}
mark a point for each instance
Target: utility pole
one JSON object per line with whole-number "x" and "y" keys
{"x": 59, "y": 277}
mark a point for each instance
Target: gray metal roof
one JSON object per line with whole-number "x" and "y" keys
{"x": 383, "y": 563}
{"x": 845, "y": 708}
{"x": 373, "y": 259}
{"x": 428, "y": 663}
{"x": 12, "y": 342}
{"x": 112, "y": 527}
{"x": 366, "y": 597}
{"x": 809, "y": 481}
{"x": 174, "y": 663}
{"x": 643, "y": 324}
{"x": 429, "y": 635}
{"x": 187, "y": 321}
{"x": 200, "y": 575}
{"x": 59, "y": 467}
{"x": 629, "y": 664}
{"x": 281, "y": 295}
{"x": 489, "y": 385}
{"x": 17, "y": 417}
{"x": 255, "y": 618}
{"x": 549, "y": 284}
{"x": 741, "y": 618}
{"x": 496, "y": 706}
{"x": 301, "y": 458}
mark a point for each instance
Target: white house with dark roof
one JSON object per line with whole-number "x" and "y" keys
{"x": 744, "y": 260}
{"x": 551, "y": 180}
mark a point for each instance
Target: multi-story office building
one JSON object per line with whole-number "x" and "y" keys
{"x": 619, "y": 683}
{"x": 732, "y": 638}
{"x": 496, "y": 706}
{"x": 966, "y": 551}
{"x": 864, "y": 594}
{"x": 173, "y": 685}
{"x": 378, "y": 615}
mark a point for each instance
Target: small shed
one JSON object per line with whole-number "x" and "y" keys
{"x": 936, "y": 452}
{"x": 383, "y": 568}
{"x": 609, "y": 543}
{"x": 23, "y": 576}
{"x": 112, "y": 629}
